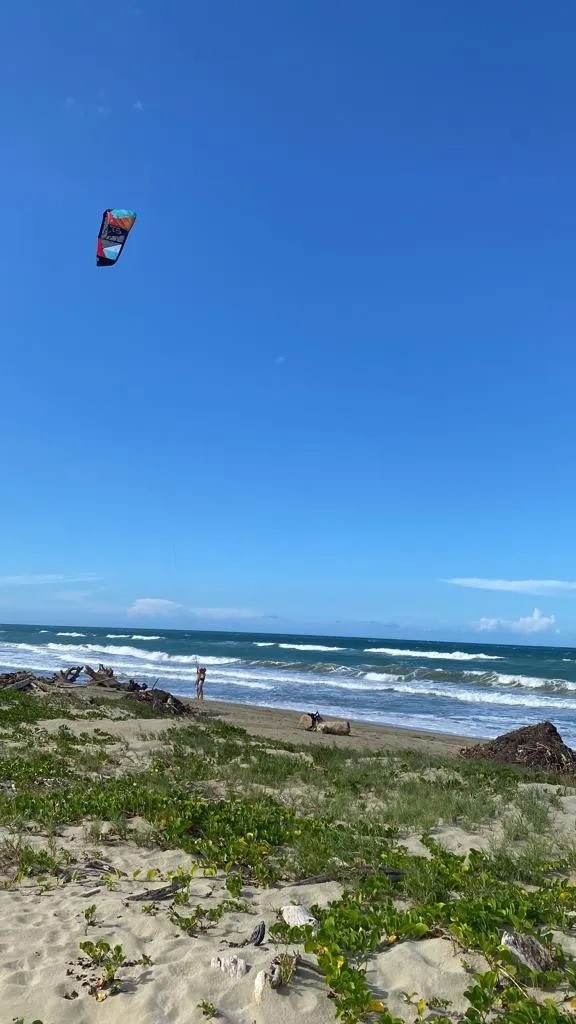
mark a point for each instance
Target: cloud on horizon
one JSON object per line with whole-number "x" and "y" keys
{"x": 153, "y": 606}
{"x": 146, "y": 606}
{"x": 43, "y": 579}
{"x": 526, "y": 625}
{"x": 73, "y": 596}
{"x": 225, "y": 613}
{"x": 539, "y": 588}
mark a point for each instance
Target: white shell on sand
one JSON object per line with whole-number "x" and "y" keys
{"x": 275, "y": 976}
{"x": 298, "y": 916}
{"x": 259, "y": 986}
{"x": 233, "y": 966}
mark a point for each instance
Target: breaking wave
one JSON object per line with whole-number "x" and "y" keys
{"x": 309, "y": 647}
{"x": 433, "y": 655}
{"x": 453, "y": 690}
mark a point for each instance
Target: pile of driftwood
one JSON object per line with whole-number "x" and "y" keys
{"x": 30, "y": 682}
{"x": 163, "y": 702}
{"x": 103, "y": 676}
{"x": 159, "y": 700}
{"x": 535, "y": 746}
{"x": 315, "y": 723}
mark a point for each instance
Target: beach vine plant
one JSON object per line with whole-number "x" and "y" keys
{"x": 252, "y": 836}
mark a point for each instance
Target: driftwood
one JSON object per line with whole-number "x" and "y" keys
{"x": 309, "y": 722}
{"x": 154, "y": 895}
{"x": 160, "y": 700}
{"x": 334, "y": 728}
{"x": 67, "y": 677}
{"x": 163, "y": 702}
{"x": 103, "y": 676}
{"x": 27, "y": 682}
{"x": 313, "y": 722}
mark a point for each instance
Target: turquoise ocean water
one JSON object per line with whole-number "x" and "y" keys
{"x": 473, "y": 690}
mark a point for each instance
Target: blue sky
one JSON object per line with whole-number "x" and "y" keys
{"x": 335, "y": 366}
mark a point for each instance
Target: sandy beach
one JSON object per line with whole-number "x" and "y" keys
{"x": 175, "y": 911}
{"x": 282, "y": 725}
{"x": 278, "y": 724}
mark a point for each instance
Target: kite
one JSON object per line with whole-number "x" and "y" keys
{"x": 114, "y": 230}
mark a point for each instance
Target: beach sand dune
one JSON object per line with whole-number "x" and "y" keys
{"x": 167, "y": 977}
{"x": 41, "y": 930}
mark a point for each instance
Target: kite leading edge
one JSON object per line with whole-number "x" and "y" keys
{"x": 114, "y": 230}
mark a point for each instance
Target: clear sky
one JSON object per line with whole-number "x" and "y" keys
{"x": 335, "y": 365}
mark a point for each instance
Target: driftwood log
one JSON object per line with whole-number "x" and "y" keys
{"x": 103, "y": 676}
{"x": 310, "y": 722}
{"x": 29, "y": 682}
{"x": 334, "y": 728}
{"x": 314, "y": 722}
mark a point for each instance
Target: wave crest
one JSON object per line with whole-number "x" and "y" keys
{"x": 432, "y": 655}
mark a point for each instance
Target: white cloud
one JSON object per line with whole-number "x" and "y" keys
{"x": 138, "y": 105}
{"x": 40, "y": 580}
{"x": 540, "y": 588}
{"x": 527, "y": 624}
{"x": 73, "y": 596}
{"x": 144, "y": 606}
{"x": 224, "y": 613}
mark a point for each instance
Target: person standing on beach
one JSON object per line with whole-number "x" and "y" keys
{"x": 200, "y": 679}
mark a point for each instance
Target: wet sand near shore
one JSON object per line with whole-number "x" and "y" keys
{"x": 282, "y": 724}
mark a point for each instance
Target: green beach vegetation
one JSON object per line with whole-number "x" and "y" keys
{"x": 256, "y": 813}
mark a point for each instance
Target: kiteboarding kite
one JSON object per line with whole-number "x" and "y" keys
{"x": 114, "y": 230}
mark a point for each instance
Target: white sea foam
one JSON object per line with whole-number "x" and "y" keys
{"x": 118, "y": 636}
{"x": 110, "y": 652}
{"x": 71, "y": 634}
{"x": 269, "y": 644}
{"x": 432, "y": 655}
{"x": 157, "y": 657}
{"x": 309, "y": 647}
{"x": 139, "y": 636}
{"x": 460, "y": 694}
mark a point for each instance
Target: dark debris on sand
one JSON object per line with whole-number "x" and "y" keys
{"x": 534, "y": 746}
{"x": 160, "y": 701}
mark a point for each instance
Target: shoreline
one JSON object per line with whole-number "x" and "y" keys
{"x": 282, "y": 724}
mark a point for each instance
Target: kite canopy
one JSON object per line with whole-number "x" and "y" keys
{"x": 114, "y": 230}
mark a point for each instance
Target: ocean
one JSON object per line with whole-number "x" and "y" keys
{"x": 467, "y": 689}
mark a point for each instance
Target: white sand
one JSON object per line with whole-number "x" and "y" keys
{"x": 40, "y": 933}
{"x": 41, "y": 927}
